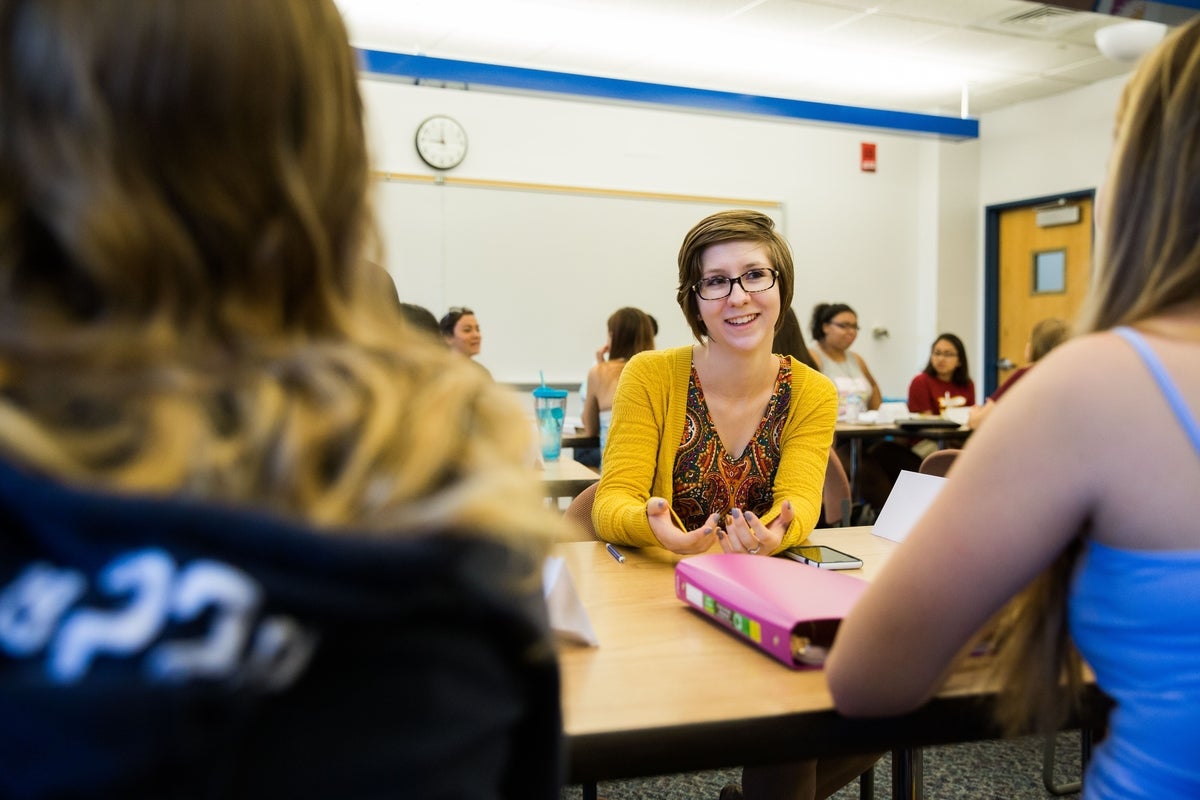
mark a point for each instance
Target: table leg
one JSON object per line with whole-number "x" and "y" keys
{"x": 907, "y": 777}
{"x": 855, "y": 463}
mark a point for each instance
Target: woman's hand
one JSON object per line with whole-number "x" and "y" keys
{"x": 980, "y": 413}
{"x": 673, "y": 539}
{"x": 745, "y": 533}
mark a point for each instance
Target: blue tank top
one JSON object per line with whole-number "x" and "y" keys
{"x": 1135, "y": 617}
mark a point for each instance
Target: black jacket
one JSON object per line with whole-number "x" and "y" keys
{"x": 162, "y": 648}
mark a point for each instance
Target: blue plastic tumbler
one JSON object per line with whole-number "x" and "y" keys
{"x": 550, "y": 407}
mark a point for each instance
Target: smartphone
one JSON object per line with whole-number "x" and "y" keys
{"x": 824, "y": 557}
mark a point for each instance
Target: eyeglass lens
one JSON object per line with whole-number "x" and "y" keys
{"x": 718, "y": 287}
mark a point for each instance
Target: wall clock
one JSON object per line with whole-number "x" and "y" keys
{"x": 441, "y": 142}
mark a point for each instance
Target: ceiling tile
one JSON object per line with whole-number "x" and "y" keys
{"x": 900, "y": 54}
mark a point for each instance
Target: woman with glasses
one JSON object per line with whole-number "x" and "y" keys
{"x": 945, "y": 382}
{"x": 834, "y": 328}
{"x": 722, "y": 443}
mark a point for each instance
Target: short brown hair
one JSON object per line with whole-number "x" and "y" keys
{"x": 1047, "y": 335}
{"x": 732, "y": 226}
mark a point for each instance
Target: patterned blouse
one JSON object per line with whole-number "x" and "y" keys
{"x": 707, "y": 479}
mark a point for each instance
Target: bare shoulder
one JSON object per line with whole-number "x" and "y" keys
{"x": 1096, "y": 363}
{"x": 1076, "y": 400}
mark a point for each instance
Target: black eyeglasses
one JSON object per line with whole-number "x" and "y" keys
{"x": 846, "y": 326}
{"x": 718, "y": 287}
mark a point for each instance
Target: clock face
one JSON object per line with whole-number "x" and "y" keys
{"x": 441, "y": 142}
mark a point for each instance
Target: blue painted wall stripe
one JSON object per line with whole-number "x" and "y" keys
{"x": 536, "y": 80}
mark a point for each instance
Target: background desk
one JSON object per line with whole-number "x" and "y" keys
{"x": 668, "y": 691}
{"x": 566, "y": 477}
{"x": 854, "y": 434}
{"x": 579, "y": 440}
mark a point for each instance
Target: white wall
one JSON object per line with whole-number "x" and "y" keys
{"x": 904, "y": 245}
{"x": 855, "y": 235}
{"x": 1043, "y": 147}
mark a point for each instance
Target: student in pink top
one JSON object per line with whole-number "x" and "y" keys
{"x": 1047, "y": 335}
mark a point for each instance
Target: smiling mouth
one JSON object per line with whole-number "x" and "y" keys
{"x": 748, "y": 318}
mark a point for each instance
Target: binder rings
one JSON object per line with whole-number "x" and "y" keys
{"x": 788, "y": 609}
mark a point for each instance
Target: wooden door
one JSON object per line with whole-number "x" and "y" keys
{"x": 1044, "y": 271}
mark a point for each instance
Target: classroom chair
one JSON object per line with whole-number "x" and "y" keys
{"x": 835, "y": 495}
{"x": 938, "y": 462}
{"x": 579, "y": 513}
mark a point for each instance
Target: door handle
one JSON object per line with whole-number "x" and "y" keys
{"x": 1004, "y": 363}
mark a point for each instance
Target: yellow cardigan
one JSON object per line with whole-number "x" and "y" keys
{"x": 647, "y": 426}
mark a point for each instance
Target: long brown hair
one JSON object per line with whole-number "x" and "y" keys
{"x": 1148, "y": 263}
{"x": 789, "y": 340}
{"x": 1149, "y": 231}
{"x": 184, "y": 302}
{"x": 630, "y": 332}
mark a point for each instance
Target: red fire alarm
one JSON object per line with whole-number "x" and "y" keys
{"x": 868, "y": 157}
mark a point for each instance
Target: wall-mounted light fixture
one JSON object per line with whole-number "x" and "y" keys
{"x": 1129, "y": 41}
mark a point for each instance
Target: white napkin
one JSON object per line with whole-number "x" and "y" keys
{"x": 910, "y": 496}
{"x": 568, "y": 618}
{"x": 890, "y": 412}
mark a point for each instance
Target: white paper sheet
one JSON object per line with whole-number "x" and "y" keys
{"x": 910, "y": 496}
{"x": 568, "y": 617}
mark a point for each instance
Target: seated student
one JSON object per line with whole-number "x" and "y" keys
{"x": 1046, "y": 335}
{"x": 722, "y": 443}
{"x": 834, "y": 327}
{"x": 946, "y": 380}
{"x": 462, "y": 334}
{"x": 629, "y": 333}
{"x": 1088, "y": 520}
{"x": 420, "y": 318}
{"x": 242, "y": 556}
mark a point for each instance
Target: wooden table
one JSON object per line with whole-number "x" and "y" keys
{"x": 855, "y": 433}
{"x": 668, "y": 691}
{"x": 566, "y": 477}
{"x": 579, "y": 439}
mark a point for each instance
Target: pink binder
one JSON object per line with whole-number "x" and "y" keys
{"x": 790, "y": 610}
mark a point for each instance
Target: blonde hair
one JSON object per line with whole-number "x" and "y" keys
{"x": 184, "y": 303}
{"x": 1149, "y": 263}
{"x": 1047, "y": 334}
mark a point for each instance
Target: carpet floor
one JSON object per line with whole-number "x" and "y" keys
{"x": 1010, "y": 769}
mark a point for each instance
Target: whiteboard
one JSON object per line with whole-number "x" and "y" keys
{"x": 542, "y": 269}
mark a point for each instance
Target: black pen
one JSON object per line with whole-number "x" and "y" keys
{"x": 615, "y": 553}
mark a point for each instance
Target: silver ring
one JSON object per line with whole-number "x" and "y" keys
{"x": 754, "y": 552}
